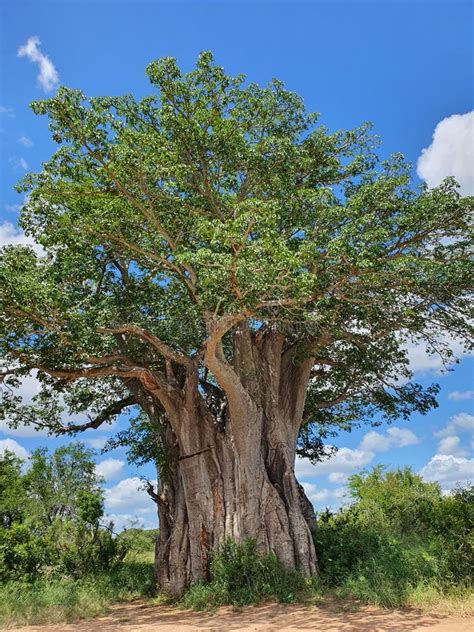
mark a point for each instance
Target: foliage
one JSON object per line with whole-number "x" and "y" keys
{"x": 214, "y": 203}
{"x": 239, "y": 576}
{"x": 401, "y": 542}
{"x": 12, "y": 489}
{"x": 139, "y": 543}
{"x": 50, "y": 517}
{"x": 400, "y": 534}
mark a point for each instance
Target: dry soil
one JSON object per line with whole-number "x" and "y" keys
{"x": 143, "y": 617}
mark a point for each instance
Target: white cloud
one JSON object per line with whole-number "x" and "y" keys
{"x": 449, "y": 470}
{"x": 127, "y": 521}
{"x": 48, "y": 77}
{"x": 25, "y": 141}
{"x": 11, "y": 235}
{"x": 394, "y": 438}
{"x": 462, "y": 422}
{"x": 337, "y": 477}
{"x": 459, "y": 396}
{"x": 128, "y": 495}
{"x": 451, "y": 445}
{"x": 98, "y": 443}
{"x": 316, "y": 494}
{"x": 451, "y": 153}
{"x": 324, "y": 497}
{"x": 29, "y": 387}
{"x": 109, "y": 468}
{"x": 345, "y": 461}
{"x": 375, "y": 442}
{"x": 401, "y": 437}
{"x": 13, "y": 446}
{"x": 18, "y": 162}
{"x": 423, "y": 362}
{"x": 8, "y": 112}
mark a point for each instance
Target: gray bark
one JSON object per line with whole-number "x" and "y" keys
{"x": 234, "y": 478}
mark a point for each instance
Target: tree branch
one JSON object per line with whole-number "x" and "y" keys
{"x": 215, "y": 360}
{"x": 156, "y": 343}
{"x": 110, "y": 411}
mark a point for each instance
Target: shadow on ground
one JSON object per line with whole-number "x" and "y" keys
{"x": 143, "y": 617}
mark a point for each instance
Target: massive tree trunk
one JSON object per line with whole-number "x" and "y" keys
{"x": 233, "y": 476}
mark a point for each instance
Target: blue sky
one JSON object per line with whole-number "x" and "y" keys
{"x": 405, "y": 65}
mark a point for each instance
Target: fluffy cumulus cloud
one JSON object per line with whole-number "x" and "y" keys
{"x": 127, "y": 504}
{"x": 423, "y": 362}
{"x": 11, "y": 235}
{"x": 394, "y": 438}
{"x": 97, "y": 442}
{"x": 13, "y": 446}
{"x": 48, "y": 77}
{"x": 324, "y": 497}
{"x": 128, "y": 496}
{"x": 128, "y": 521}
{"x": 450, "y": 465}
{"x": 451, "y": 153}
{"x": 347, "y": 461}
{"x": 452, "y": 445}
{"x": 462, "y": 422}
{"x": 29, "y": 387}
{"x": 460, "y": 396}
{"x": 109, "y": 468}
{"x": 449, "y": 471}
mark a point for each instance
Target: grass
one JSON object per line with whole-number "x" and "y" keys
{"x": 455, "y": 601}
{"x": 403, "y": 575}
{"x": 50, "y": 601}
{"x": 58, "y": 600}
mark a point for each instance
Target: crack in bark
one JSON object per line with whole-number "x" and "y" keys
{"x": 189, "y": 456}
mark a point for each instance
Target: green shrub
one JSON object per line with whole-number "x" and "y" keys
{"x": 399, "y": 535}
{"x": 50, "y": 517}
{"x": 239, "y": 576}
{"x": 139, "y": 543}
{"x": 23, "y": 553}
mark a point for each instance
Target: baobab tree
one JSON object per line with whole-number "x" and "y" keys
{"x": 247, "y": 279}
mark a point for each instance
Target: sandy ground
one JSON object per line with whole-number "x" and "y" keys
{"x": 142, "y": 617}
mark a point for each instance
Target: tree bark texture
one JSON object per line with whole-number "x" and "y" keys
{"x": 231, "y": 475}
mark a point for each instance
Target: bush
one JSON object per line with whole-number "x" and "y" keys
{"x": 239, "y": 576}
{"x": 50, "y": 517}
{"x": 139, "y": 543}
{"x": 22, "y": 552}
{"x": 399, "y": 536}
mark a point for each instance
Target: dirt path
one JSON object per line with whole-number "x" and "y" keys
{"x": 142, "y": 617}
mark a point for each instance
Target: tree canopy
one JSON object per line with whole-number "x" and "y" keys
{"x": 168, "y": 222}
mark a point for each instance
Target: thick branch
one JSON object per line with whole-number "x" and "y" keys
{"x": 115, "y": 408}
{"x": 215, "y": 360}
{"x": 156, "y": 343}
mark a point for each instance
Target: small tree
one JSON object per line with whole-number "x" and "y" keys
{"x": 12, "y": 489}
{"x": 50, "y": 516}
{"x": 245, "y": 277}
{"x": 63, "y": 484}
